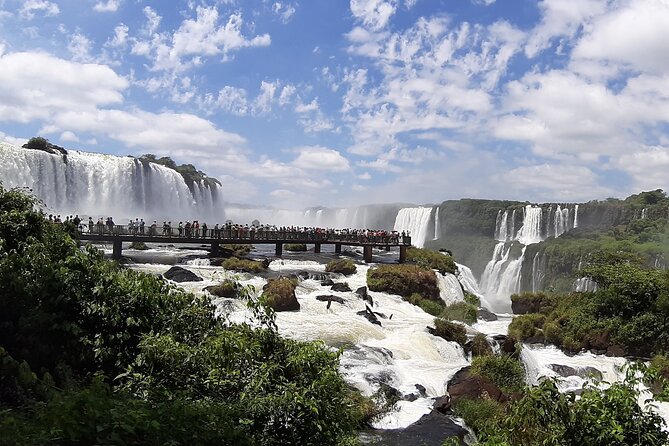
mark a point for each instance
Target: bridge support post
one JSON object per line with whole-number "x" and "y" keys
{"x": 317, "y": 248}
{"x": 279, "y": 249}
{"x": 337, "y": 248}
{"x": 387, "y": 248}
{"x": 117, "y": 249}
{"x": 367, "y": 251}
{"x": 403, "y": 253}
{"x": 215, "y": 249}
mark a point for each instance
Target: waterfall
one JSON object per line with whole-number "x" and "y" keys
{"x": 538, "y": 273}
{"x": 437, "y": 225}
{"x": 561, "y": 221}
{"x": 106, "y": 185}
{"x": 575, "y": 216}
{"x": 583, "y": 284}
{"x": 644, "y": 213}
{"x": 415, "y": 221}
{"x": 530, "y": 232}
{"x": 469, "y": 283}
{"x": 450, "y": 289}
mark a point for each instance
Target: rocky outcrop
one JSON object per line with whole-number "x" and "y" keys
{"x": 486, "y": 315}
{"x": 330, "y": 299}
{"x": 430, "y": 430}
{"x": 179, "y": 274}
{"x": 369, "y": 315}
{"x": 279, "y": 294}
{"x": 362, "y": 294}
{"x": 340, "y": 286}
{"x": 465, "y": 385}
{"x": 228, "y": 288}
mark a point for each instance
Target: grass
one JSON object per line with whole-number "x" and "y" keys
{"x": 403, "y": 280}
{"x": 431, "y": 259}
{"x": 450, "y": 331}
{"x": 295, "y": 247}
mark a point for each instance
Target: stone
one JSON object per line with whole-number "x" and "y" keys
{"x": 465, "y": 385}
{"x": 279, "y": 294}
{"x": 337, "y": 299}
{"x": 179, "y": 274}
{"x": 443, "y": 404}
{"x": 364, "y": 295}
{"x": 369, "y": 315}
{"x": 430, "y": 430}
{"x": 327, "y": 282}
{"x": 486, "y": 315}
{"x": 340, "y": 286}
{"x": 616, "y": 350}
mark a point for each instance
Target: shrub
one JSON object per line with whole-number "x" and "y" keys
{"x": 235, "y": 250}
{"x": 404, "y": 280}
{"x": 431, "y": 307}
{"x": 295, "y": 247}
{"x": 140, "y": 246}
{"x": 342, "y": 266}
{"x": 481, "y": 415}
{"x": 527, "y": 302}
{"x": 279, "y": 294}
{"x": 472, "y": 299}
{"x": 526, "y": 326}
{"x": 450, "y": 331}
{"x": 247, "y": 266}
{"x": 228, "y": 288}
{"x": 461, "y": 311}
{"x": 431, "y": 259}
{"x": 481, "y": 346}
{"x": 507, "y": 373}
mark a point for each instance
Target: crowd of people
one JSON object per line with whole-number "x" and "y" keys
{"x": 233, "y": 231}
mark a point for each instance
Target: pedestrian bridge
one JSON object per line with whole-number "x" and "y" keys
{"x": 118, "y": 234}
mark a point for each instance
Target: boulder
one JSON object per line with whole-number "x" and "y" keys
{"x": 430, "y": 430}
{"x": 179, "y": 274}
{"x": 362, "y": 294}
{"x": 327, "y": 282}
{"x": 228, "y": 288}
{"x": 369, "y": 315}
{"x": 340, "y": 286}
{"x": 486, "y": 315}
{"x": 337, "y": 299}
{"x": 279, "y": 294}
{"x": 465, "y": 385}
{"x": 442, "y": 404}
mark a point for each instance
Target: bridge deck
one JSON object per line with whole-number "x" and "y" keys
{"x": 119, "y": 234}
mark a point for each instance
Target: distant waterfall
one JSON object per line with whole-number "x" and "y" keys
{"x": 576, "y": 216}
{"x": 416, "y": 222}
{"x": 105, "y": 185}
{"x": 437, "y": 225}
{"x": 530, "y": 232}
{"x": 561, "y": 221}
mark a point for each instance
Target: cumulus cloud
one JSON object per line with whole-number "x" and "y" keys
{"x": 320, "y": 158}
{"x": 374, "y": 14}
{"x": 284, "y": 10}
{"x": 107, "y": 6}
{"x": 31, "y": 7}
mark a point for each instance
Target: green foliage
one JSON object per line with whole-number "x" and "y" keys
{"x": 472, "y": 299}
{"x": 342, "y": 266}
{"x": 404, "y": 280}
{"x": 189, "y": 173}
{"x": 528, "y": 302}
{"x": 278, "y": 293}
{"x": 37, "y": 142}
{"x": 228, "y": 288}
{"x": 480, "y": 345}
{"x": 431, "y": 259}
{"x": 236, "y": 250}
{"x": 247, "y": 266}
{"x": 503, "y": 370}
{"x": 527, "y": 326}
{"x": 295, "y": 247}
{"x": 461, "y": 311}
{"x": 451, "y": 331}
{"x": 431, "y": 307}
{"x": 140, "y": 246}
{"x": 483, "y": 416}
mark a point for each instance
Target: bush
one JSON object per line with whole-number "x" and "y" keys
{"x": 247, "y": 266}
{"x": 504, "y": 371}
{"x": 431, "y": 307}
{"x": 527, "y": 302}
{"x": 526, "y": 326}
{"x": 295, "y": 247}
{"x": 404, "y": 280}
{"x": 235, "y": 250}
{"x": 431, "y": 259}
{"x": 472, "y": 299}
{"x": 481, "y": 415}
{"x": 140, "y": 246}
{"x": 228, "y": 288}
{"x": 341, "y": 266}
{"x": 480, "y": 346}
{"x": 461, "y": 311}
{"x": 450, "y": 331}
{"x": 279, "y": 294}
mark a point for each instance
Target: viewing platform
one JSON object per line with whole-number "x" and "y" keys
{"x": 230, "y": 236}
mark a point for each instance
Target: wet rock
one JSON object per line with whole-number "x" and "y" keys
{"x": 362, "y": 294}
{"x": 369, "y": 315}
{"x": 303, "y": 275}
{"x": 228, "y": 289}
{"x": 563, "y": 370}
{"x": 279, "y": 294}
{"x": 422, "y": 391}
{"x": 442, "y": 404}
{"x": 329, "y": 299}
{"x": 465, "y": 385}
{"x": 486, "y": 315}
{"x": 430, "y": 430}
{"x": 179, "y": 274}
{"x": 616, "y": 350}
{"x": 340, "y": 286}
{"x": 327, "y": 282}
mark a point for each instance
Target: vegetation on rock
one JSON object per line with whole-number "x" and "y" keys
{"x": 247, "y": 266}
{"x": 189, "y": 173}
{"x": 228, "y": 288}
{"x": 431, "y": 259}
{"x": 341, "y": 266}
{"x": 295, "y": 247}
{"x": 461, "y": 311}
{"x": 279, "y": 294}
{"x": 503, "y": 370}
{"x": 404, "y": 280}
{"x": 451, "y": 331}
{"x": 140, "y": 246}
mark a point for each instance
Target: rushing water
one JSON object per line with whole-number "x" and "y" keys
{"x": 415, "y": 221}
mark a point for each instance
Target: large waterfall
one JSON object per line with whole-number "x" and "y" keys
{"x": 105, "y": 185}
{"x": 415, "y": 221}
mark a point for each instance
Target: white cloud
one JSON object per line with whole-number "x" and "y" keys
{"x": 69, "y": 136}
{"x": 107, "y": 6}
{"x": 80, "y": 48}
{"x": 233, "y": 100}
{"x": 648, "y": 167}
{"x": 283, "y": 194}
{"x": 374, "y": 14}
{"x": 120, "y": 38}
{"x": 152, "y": 20}
{"x": 320, "y": 158}
{"x": 49, "y": 9}
{"x": 284, "y": 10}
{"x": 306, "y": 108}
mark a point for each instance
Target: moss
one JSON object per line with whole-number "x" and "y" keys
{"x": 525, "y": 303}
{"x": 279, "y": 294}
{"x": 295, "y": 247}
{"x": 507, "y": 373}
{"x": 248, "y": 266}
{"x": 403, "y": 280}
{"x": 341, "y": 266}
{"x": 527, "y": 326}
{"x": 450, "y": 331}
{"x": 461, "y": 311}
{"x": 431, "y": 259}
{"x": 472, "y": 299}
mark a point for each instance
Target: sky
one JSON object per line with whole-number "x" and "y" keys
{"x": 297, "y": 103}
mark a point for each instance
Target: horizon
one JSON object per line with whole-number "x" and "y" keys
{"x": 296, "y": 104}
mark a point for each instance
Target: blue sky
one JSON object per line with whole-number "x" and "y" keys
{"x": 335, "y": 102}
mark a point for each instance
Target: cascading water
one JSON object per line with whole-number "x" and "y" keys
{"x": 450, "y": 289}
{"x": 415, "y": 221}
{"x": 561, "y": 221}
{"x": 437, "y": 225}
{"x": 575, "y": 216}
{"x": 103, "y": 185}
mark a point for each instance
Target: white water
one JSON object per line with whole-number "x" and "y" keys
{"x": 105, "y": 185}
{"x": 415, "y": 221}
{"x": 561, "y": 221}
{"x": 530, "y": 232}
{"x": 583, "y": 284}
{"x": 450, "y": 289}
{"x": 437, "y": 225}
{"x": 576, "y": 216}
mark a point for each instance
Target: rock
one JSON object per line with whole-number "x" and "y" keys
{"x": 340, "y": 286}
{"x": 327, "y": 282}
{"x": 337, "y": 299}
{"x": 227, "y": 289}
{"x": 616, "y": 350}
{"x": 486, "y": 315}
{"x": 508, "y": 346}
{"x": 279, "y": 294}
{"x": 443, "y": 404}
{"x": 369, "y": 315}
{"x": 563, "y": 370}
{"x": 303, "y": 275}
{"x": 430, "y": 430}
{"x": 179, "y": 274}
{"x": 465, "y": 385}
{"x": 422, "y": 391}
{"x": 362, "y": 293}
